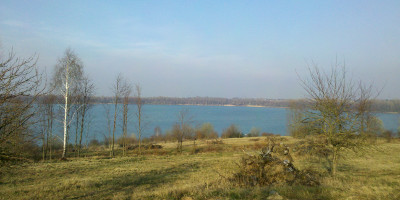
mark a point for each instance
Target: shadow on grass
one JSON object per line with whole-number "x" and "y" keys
{"x": 60, "y": 169}
{"x": 127, "y": 183}
{"x": 286, "y": 191}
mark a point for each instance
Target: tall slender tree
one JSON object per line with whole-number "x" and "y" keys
{"x": 87, "y": 92}
{"x": 117, "y": 90}
{"x": 126, "y": 90}
{"x": 68, "y": 73}
{"x": 139, "y": 114}
{"x": 46, "y": 118}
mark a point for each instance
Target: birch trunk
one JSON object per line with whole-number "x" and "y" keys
{"x": 65, "y": 112}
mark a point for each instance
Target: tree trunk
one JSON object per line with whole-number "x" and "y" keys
{"x": 76, "y": 134}
{"x": 82, "y": 127}
{"x": 125, "y": 127}
{"x": 65, "y": 115}
{"x": 47, "y": 137}
{"x": 334, "y": 162}
{"x": 115, "y": 121}
{"x": 51, "y": 132}
{"x": 43, "y": 147}
{"x": 194, "y": 146}
{"x": 140, "y": 133}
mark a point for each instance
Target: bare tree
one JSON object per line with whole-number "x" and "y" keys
{"x": 332, "y": 98}
{"x": 107, "y": 136}
{"x": 42, "y": 127}
{"x": 50, "y": 109}
{"x": 126, "y": 90}
{"x": 20, "y": 87}
{"x": 295, "y": 119}
{"x": 117, "y": 90}
{"x": 139, "y": 114}
{"x": 87, "y": 92}
{"x": 76, "y": 108}
{"x": 68, "y": 73}
{"x": 46, "y": 119}
{"x": 184, "y": 127}
{"x": 157, "y": 134}
{"x": 369, "y": 123}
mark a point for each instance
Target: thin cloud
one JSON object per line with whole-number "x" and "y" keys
{"x": 15, "y": 23}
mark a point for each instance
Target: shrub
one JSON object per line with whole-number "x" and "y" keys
{"x": 254, "y": 132}
{"x": 206, "y": 131}
{"x": 129, "y": 140}
{"x": 388, "y": 135}
{"x": 232, "y": 132}
{"x": 273, "y": 165}
{"x": 94, "y": 143}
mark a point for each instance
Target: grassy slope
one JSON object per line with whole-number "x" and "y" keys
{"x": 372, "y": 175}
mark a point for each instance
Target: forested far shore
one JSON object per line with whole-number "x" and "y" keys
{"x": 210, "y": 101}
{"x": 379, "y": 105}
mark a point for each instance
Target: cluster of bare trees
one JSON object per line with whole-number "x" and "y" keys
{"x": 46, "y": 121}
{"x": 77, "y": 90}
{"x": 30, "y": 108}
{"x": 21, "y": 86}
{"x": 122, "y": 90}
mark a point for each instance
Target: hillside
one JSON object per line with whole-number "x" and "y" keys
{"x": 164, "y": 174}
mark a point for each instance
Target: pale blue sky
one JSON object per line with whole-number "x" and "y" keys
{"x": 210, "y": 48}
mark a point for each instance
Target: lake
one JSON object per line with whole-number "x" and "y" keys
{"x": 271, "y": 120}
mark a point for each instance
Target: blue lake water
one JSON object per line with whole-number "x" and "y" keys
{"x": 271, "y": 120}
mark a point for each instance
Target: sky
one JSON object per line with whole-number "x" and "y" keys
{"x": 247, "y": 49}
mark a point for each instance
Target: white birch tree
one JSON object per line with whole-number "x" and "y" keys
{"x": 68, "y": 73}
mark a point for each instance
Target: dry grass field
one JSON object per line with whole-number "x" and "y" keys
{"x": 163, "y": 174}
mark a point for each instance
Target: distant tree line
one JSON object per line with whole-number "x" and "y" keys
{"x": 211, "y": 101}
{"x": 388, "y": 105}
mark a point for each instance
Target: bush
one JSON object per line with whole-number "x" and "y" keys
{"x": 129, "y": 140}
{"x": 232, "y": 132}
{"x": 273, "y": 165}
{"x": 388, "y": 135}
{"x": 94, "y": 143}
{"x": 254, "y": 132}
{"x": 206, "y": 131}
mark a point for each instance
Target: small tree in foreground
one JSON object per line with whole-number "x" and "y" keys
{"x": 182, "y": 129}
{"x": 332, "y": 113}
